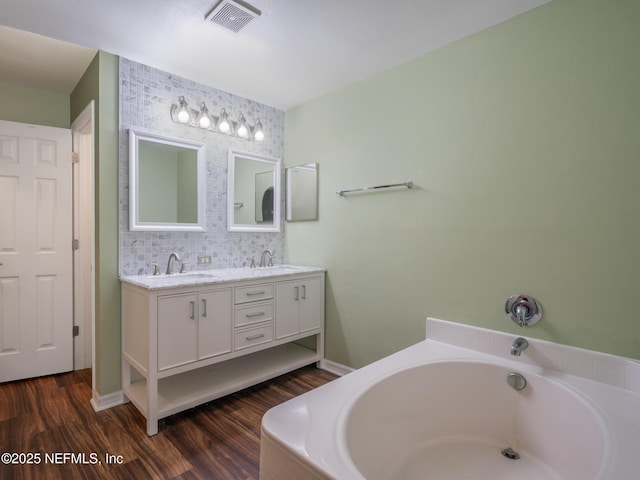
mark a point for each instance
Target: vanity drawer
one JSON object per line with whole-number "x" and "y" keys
{"x": 253, "y": 336}
{"x": 253, "y": 313}
{"x": 254, "y": 293}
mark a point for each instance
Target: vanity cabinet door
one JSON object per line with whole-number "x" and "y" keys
{"x": 214, "y": 322}
{"x": 311, "y": 304}
{"x": 299, "y": 306}
{"x": 287, "y": 309}
{"x": 177, "y": 330}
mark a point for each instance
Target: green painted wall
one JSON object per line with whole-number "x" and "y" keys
{"x": 524, "y": 144}
{"x": 23, "y": 104}
{"x": 100, "y": 83}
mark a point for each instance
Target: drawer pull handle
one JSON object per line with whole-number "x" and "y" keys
{"x": 257, "y": 314}
{"x": 204, "y": 307}
{"x": 297, "y": 289}
{"x": 304, "y": 292}
{"x": 252, "y": 294}
{"x": 193, "y": 310}
{"x": 255, "y": 337}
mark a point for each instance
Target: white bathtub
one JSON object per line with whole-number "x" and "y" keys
{"x": 439, "y": 411}
{"x": 452, "y": 419}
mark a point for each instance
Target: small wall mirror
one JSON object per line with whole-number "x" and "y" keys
{"x": 253, "y": 192}
{"x": 167, "y": 183}
{"x": 302, "y": 192}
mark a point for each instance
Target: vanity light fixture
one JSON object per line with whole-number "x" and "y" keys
{"x": 181, "y": 113}
{"x": 243, "y": 129}
{"x": 258, "y": 133}
{"x": 204, "y": 120}
{"x": 224, "y": 125}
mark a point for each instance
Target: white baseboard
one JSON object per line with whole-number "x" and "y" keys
{"x": 107, "y": 401}
{"x": 335, "y": 368}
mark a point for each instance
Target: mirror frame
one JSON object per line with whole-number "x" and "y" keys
{"x": 289, "y": 200}
{"x": 274, "y": 162}
{"x": 135, "y": 136}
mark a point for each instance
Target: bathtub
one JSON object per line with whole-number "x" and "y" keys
{"x": 439, "y": 410}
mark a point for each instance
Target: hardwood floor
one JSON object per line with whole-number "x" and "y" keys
{"x": 50, "y": 421}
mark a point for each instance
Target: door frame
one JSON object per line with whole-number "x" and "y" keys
{"x": 83, "y": 147}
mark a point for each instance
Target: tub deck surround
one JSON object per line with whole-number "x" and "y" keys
{"x": 305, "y": 437}
{"x": 194, "y": 337}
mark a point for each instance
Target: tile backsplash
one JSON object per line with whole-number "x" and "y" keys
{"x": 146, "y": 96}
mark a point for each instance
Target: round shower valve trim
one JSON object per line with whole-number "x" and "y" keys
{"x": 523, "y": 310}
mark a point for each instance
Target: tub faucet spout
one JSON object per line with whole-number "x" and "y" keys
{"x": 518, "y": 346}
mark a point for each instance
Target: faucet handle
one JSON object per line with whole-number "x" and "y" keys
{"x": 183, "y": 267}
{"x": 156, "y": 269}
{"x": 523, "y": 310}
{"x": 252, "y": 264}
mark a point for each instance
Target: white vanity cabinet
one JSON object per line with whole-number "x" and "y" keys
{"x": 191, "y": 341}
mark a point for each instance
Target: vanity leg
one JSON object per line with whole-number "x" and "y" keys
{"x": 320, "y": 349}
{"x": 152, "y": 404}
{"x": 126, "y": 379}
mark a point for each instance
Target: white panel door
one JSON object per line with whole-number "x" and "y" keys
{"x": 36, "y": 313}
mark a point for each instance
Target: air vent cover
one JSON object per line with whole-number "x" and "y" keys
{"x": 232, "y": 15}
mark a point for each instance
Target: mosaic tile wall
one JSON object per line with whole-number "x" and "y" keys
{"x": 146, "y": 96}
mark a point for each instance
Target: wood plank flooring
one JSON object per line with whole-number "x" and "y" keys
{"x": 49, "y": 419}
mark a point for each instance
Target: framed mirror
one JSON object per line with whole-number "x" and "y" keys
{"x": 302, "y": 192}
{"x": 167, "y": 183}
{"x": 253, "y": 192}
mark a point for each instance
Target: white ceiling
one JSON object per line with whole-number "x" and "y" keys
{"x": 295, "y": 51}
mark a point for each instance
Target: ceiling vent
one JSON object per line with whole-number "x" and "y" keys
{"x": 232, "y": 15}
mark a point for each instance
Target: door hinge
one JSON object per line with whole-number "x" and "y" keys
{"x": 75, "y": 244}
{"x": 75, "y": 158}
{"x": 76, "y": 330}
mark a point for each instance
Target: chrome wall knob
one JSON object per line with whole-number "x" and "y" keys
{"x": 523, "y": 310}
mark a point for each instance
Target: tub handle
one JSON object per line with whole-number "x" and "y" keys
{"x": 523, "y": 310}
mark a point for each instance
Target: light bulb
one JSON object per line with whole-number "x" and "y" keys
{"x": 243, "y": 128}
{"x": 204, "y": 120}
{"x": 223, "y": 124}
{"x": 258, "y": 134}
{"x": 183, "y": 115}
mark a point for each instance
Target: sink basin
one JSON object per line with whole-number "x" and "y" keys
{"x": 177, "y": 278}
{"x": 194, "y": 275}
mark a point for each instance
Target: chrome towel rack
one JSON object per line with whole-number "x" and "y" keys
{"x": 408, "y": 184}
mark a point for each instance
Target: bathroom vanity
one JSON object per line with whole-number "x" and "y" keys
{"x": 190, "y": 338}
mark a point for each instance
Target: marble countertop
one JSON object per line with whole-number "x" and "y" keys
{"x": 213, "y": 276}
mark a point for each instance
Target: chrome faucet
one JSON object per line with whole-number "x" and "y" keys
{"x": 169, "y": 264}
{"x": 518, "y": 346}
{"x": 263, "y": 260}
